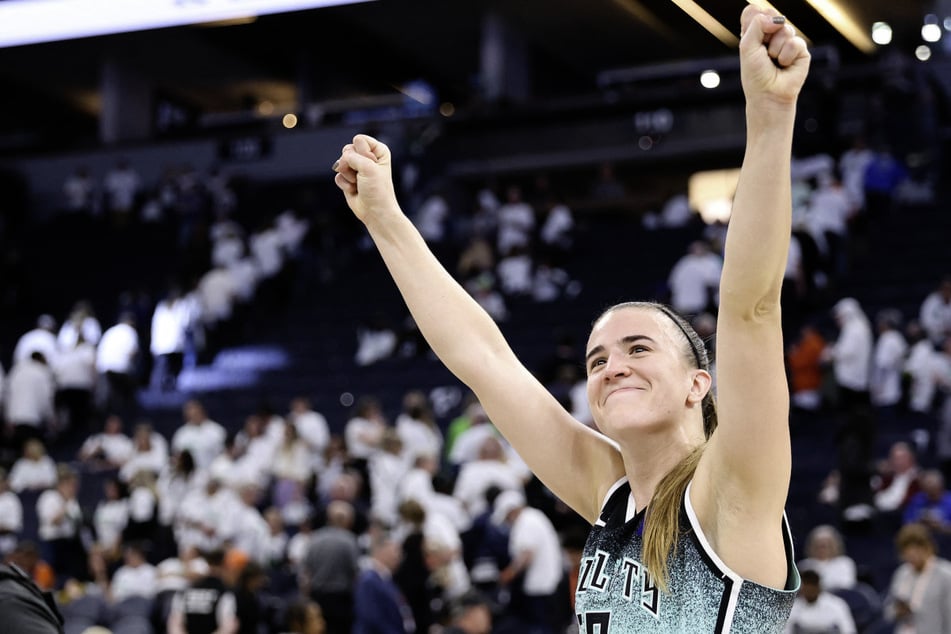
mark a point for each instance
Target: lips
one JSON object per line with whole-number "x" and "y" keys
{"x": 622, "y": 389}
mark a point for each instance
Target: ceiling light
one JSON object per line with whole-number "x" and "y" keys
{"x": 289, "y": 121}
{"x": 931, "y": 33}
{"x": 923, "y": 53}
{"x": 882, "y": 33}
{"x": 709, "y": 79}
{"x": 708, "y": 22}
{"x": 844, "y": 22}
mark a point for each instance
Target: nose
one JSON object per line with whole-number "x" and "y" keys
{"x": 616, "y": 366}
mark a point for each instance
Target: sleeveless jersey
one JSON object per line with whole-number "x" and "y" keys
{"x": 616, "y": 593}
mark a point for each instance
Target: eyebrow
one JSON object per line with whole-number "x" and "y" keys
{"x": 628, "y": 339}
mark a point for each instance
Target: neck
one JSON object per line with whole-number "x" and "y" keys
{"x": 651, "y": 457}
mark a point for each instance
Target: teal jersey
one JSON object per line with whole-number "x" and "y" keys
{"x": 616, "y": 593}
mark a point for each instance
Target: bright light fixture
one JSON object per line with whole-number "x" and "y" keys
{"x": 709, "y": 79}
{"x": 923, "y": 53}
{"x": 882, "y": 33}
{"x": 931, "y": 32}
{"x": 843, "y": 22}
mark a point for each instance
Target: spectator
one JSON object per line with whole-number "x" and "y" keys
{"x": 931, "y": 506}
{"x": 135, "y": 578}
{"x": 111, "y": 518}
{"x": 935, "y": 312}
{"x": 816, "y": 610}
{"x": 917, "y": 598}
{"x": 379, "y": 604}
{"x": 851, "y": 357}
{"x": 536, "y": 560}
{"x": 75, "y": 377}
{"x": 206, "y": 606}
{"x": 898, "y": 479}
{"x": 121, "y": 186}
{"x": 81, "y": 322}
{"x": 60, "y": 519}
{"x": 291, "y": 467}
{"x": 79, "y": 191}
{"x": 417, "y": 428}
{"x": 921, "y": 369}
{"x": 116, "y": 358}
{"x": 200, "y": 435}
{"x": 107, "y": 450}
{"x": 695, "y": 279}
{"x": 888, "y": 361}
{"x": 305, "y": 617}
{"x": 469, "y": 614}
{"x": 149, "y": 453}
{"x": 825, "y": 553}
{"x": 30, "y": 391}
{"x": 35, "y": 470}
{"x": 516, "y": 220}
{"x": 11, "y": 517}
{"x": 172, "y": 318}
{"x": 41, "y": 339}
{"x": 805, "y": 369}
{"x": 312, "y": 428}
{"x": 490, "y": 470}
{"x": 329, "y": 568}
{"x": 251, "y": 609}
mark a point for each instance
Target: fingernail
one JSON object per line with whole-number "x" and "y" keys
{"x": 336, "y": 166}
{"x": 779, "y": 19}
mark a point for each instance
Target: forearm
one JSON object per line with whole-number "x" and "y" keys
{"x": 459, "y": 331}
{"x": 757, "y": 241}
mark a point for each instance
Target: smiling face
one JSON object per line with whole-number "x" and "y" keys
{"x": 639, "y": 377}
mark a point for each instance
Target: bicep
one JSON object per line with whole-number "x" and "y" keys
{"x": 577, "y": 463}
{"x": 750, "y": 451}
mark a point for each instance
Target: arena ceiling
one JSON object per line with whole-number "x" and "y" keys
{"x": 373, "y": 48}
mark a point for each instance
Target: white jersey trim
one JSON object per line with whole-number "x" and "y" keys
{"x": 607, "y": 496}
{"x": 702, "y": 539}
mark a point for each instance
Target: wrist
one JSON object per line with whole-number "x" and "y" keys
{"x": 767, "y": 113}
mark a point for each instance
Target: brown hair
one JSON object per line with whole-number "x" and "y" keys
{"x": 662, "y": 521}
{"x": 915, "y": 535}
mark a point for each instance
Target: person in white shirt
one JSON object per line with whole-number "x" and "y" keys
{"x": 150, "y": 453}
{"x": 78, "y": 189}
{"x": 387, "y": 468}
{"x": 695, "y": 279}
{"x": 291, "y": 467}
{"x": 121, "y": 186}
{"x": 888, "y": 362}
{"x": 135, "y": 578}
{"x": 60, "y": 518}
{"x": 364, "y": 431}
{"x": 172, "y": 318}
{"x": 29, "y": 401}
{"x": 81, "y": 322}
{"x": 34, "y": 471}
{"x": 200, "y": 435}
{"x": 311, "y": 427}
{"x": 536, "y": 554}
{"x": 516, "y": 221}
{"x": 109, "y": 449}
{"x": 816, "y": 610}
{"x": 116, "y": 358}
{"x": 851, "y": 357}
{"x": 40, "y": 339}
{"x": 935, "y": 313}
{"x": 417, "y": 428}
{"x": 921, "y": 366}
{"x": 11, "y": 516}
{"x": 491, "y": 469}
{"x": 111, "y": 517}
{"x": 75, "y": 376}
{"x": 825, "y": 553}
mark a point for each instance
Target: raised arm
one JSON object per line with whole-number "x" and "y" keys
{"x": 576, "y": 463}
{"x": 747, "y": 465}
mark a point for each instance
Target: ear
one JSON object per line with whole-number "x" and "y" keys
{"x": 702, "y": 382}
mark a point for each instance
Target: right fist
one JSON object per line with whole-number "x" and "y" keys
{"x": 364, "y": 174}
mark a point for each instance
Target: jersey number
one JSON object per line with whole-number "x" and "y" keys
{"x": 596, "y": 622}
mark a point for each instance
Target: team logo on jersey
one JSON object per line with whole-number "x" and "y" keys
{"x": 637, "y": 585}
